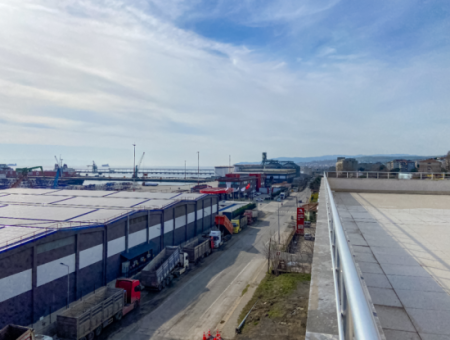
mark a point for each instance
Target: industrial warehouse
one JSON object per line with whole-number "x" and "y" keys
{"x": 57, "y": 246}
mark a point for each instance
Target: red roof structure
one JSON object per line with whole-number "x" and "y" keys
{"x": 215, "y": 191}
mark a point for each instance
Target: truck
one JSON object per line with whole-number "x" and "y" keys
{"x": 171, "y": 262}
{"x": 86, "y": 318}
{"x": 252, "y": 216}
{"x": 15, "y": 332}
{"x": 222, "y": 229}
{"x": 239, "y": 224}
{"x": 197, "y": 249}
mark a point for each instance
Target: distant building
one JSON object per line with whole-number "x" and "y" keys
{"x": 429, "y": 165}
{"x": 378, "y": 167}
{"x": 221, "y": 171}
{"x": 346, "y": 164}
{"x": 239, "y": 183}
{"x": 402, "y": 164}
{"x": 307, "y": 170}
{"x": 447, "y": 162}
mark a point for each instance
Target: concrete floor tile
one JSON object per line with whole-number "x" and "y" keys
{"x": 400, "y": 335}
{"x": 394, "y": 318}
{"x": 407, "y": 260}
{"x": 357, "y": 240}
{"x": 384, "y": 297}
{"x": 430, "y": 321}
{"x": 389, "y": 251}
{"x": 416, "y": 283}
{"x": 425, "y": 336}
{"x": 396, "y": 269}
{"x": 361, "y": 250}
{"x": 365, "y": 258}
{"x": 376, "y": 280}
{"x": 437, "y": 301}
{"x": 367, "y": 267}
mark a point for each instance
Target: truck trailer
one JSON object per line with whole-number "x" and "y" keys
{"x": 239, "y": 224}
{"x": 86, "y": 318}
{"x": 197, "y": 249}
{"x": 171, "y": 262}
{"x": 15, "y": 332}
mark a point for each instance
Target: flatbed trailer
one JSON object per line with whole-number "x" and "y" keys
{"x": 197, "y": 249}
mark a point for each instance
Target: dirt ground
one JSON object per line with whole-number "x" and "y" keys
{"x": 281, "y": 302}
{"x": 281, "y": 309}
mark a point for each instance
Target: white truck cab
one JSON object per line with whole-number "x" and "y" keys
{"x": 216, "y": 238}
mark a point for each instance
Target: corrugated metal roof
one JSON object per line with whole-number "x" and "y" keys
{"x": 86, "y": 193}
{"x": 101, "y": 216}
{"x": 144, "y": 194}
{"x": 26, "y": 214}
{"x": 29, "y": 199}
{"x": 99, "y": 202}
{"x": 29, "y": 191}
{"x": 10, "y": 236}
{"x": 42, "y": 212}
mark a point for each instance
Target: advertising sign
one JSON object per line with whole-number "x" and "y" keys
{"x": 300, "y": 221}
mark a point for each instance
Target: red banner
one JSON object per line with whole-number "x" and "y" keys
{"x": 300, "y": 221}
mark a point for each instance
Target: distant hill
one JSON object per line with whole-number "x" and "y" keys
{"x": 360, "y": 158}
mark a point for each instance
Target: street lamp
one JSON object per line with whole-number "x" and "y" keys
{"x": 68, "y": 287}
{"x": 134, "y": 162}
{"x": 279, "y": 242}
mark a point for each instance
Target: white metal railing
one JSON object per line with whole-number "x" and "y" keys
{"x": 389, "y": 175}
{"x": 355, "y": 316}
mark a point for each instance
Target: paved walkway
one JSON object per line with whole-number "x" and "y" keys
{"x": 401, "y": 244}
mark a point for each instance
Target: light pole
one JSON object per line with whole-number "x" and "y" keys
{"x": 134, "y": 161}
{"x": 279, "y": 242}
{"x": 68, "y": 286}
{"x": 184, "y": 170}
{"x": 198, "y": 171}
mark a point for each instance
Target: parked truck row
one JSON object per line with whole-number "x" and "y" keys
{"x": 86, "y": 319}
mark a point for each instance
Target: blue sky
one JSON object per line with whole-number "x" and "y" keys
{"x": 86, "y": 79}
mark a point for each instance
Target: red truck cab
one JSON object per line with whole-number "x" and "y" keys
{"x": 133, "y": 293}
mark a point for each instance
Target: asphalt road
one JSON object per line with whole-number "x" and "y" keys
{"x": 209, "y": 297}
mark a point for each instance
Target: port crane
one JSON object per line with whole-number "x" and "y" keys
{"x": 138, "y": 166}
{"x": 22, "y": 174}
{"x": 94, "y": 167}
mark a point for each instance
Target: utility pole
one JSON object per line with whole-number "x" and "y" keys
{"x": 134, "y": 162}
{"x": 279, "y": 242}
{"x": 68, "y": 284}
{"x": 198, "y": 171}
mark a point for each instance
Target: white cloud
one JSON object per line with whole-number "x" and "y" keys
{"x": 108, "y": 74}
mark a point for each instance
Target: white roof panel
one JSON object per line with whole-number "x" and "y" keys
{"x": 13, "y": 235}
{"x": 101, "y": 215}
{"x": 29, "y": 199}
{"x": 96, "y": 202}
{"x": 189, "y": 196}
{"x": 22, "y": 222}
{"x": 144, "y": 194}
{"x": 29, "y": 191}
{"x": 42, "y": 212}
{"x": 85, "y": 193}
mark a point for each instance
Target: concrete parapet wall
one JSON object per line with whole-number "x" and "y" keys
{"x": 397, "y": 186}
